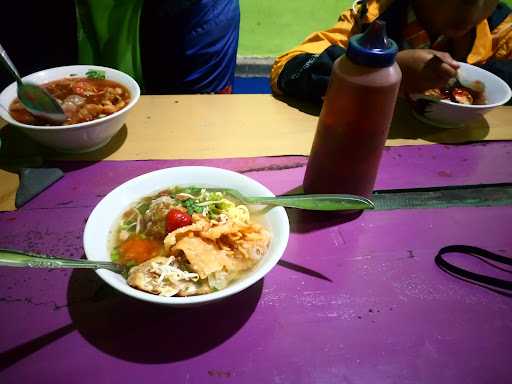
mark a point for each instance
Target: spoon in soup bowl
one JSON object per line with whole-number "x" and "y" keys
{"x": 315, "y": 202}
{"x": 33, "y": 97}
{"x": 14, "y": 258}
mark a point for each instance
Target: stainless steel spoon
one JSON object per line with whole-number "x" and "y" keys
{"x": 13, "y": 258}
{"x": 327, "y": 202}
{"x": 33, "y": 97}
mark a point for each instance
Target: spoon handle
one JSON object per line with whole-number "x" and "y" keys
{"x": 316, "y": 202}
{"x": 8, "y": 64}
{"x": 13, "y": 258}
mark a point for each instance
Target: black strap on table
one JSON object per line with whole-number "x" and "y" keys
{"x": 489, "y": 281}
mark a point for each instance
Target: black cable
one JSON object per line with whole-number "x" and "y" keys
{"x": 472, "y": 276}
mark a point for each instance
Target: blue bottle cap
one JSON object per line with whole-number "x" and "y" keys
{"x": 373, "y": 48}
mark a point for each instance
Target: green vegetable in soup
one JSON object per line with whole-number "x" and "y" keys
{"x": 96, "y": 74}
{"x": 191, "y": 206}
{"x": 114, "y": 255}
{"x": 142, "y": 208}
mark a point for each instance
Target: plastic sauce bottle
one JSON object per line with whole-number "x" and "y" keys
{"x": 355, "y": 117}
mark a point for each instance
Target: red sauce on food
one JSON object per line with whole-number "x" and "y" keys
{"x": 457, "y": 93}
{"x": 81, "y": 98}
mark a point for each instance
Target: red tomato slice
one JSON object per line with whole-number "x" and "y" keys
{"x": 177, "y": 219}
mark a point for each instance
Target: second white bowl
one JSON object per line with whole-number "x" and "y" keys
{"x": 74, "y": 138}
{"x": 447, "y": 114}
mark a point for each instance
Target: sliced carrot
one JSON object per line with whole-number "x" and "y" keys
{"x": 138, "y": 250}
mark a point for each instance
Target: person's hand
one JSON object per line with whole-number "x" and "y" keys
{"x": 424, "y": 69}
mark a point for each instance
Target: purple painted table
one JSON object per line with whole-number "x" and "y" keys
{"x": 355, "y": 302}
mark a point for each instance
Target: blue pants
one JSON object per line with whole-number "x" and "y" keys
{"x": 189, "y": 46}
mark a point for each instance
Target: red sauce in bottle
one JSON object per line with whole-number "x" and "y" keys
{"x": 355, "y": 118}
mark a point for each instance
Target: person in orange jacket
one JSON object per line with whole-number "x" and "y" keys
{"x": 432, "y": 36}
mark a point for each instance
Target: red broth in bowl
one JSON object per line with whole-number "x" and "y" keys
{"x": 82, "y": 99}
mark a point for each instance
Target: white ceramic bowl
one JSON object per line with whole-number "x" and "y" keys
{"x": 105, "y": 215}
{"x": 447, "y": 114}
{"x": 73, "y": 138}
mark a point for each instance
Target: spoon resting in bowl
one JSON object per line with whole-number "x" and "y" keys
{"x": 320, "y": 202}
{"x": 33, "y": 97}
{"x": 14, "y": 258}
